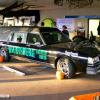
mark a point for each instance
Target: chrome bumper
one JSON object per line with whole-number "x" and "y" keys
{"x": 93, "y": 69}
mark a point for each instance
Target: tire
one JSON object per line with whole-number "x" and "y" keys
{"x": 4, "y": 52}
{"x": 66, "y": 66}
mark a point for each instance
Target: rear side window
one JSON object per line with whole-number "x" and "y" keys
{"x": 19, "y": 37}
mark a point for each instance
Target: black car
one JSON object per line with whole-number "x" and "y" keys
{"x": 51, "y": 46}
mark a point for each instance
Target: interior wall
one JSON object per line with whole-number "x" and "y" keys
{"x": 62, "y": 12}
{"x": 82, "y": 22}
{"x": 93, "y": 25}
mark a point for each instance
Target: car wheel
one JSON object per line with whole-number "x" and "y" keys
{"x": 4, "y": 52}
{"x": 66, "y": 66}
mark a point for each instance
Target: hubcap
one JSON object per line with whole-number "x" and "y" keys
{"x": 63, "y": 66}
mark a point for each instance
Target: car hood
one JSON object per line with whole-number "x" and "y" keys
{"x": 86, "y": 50}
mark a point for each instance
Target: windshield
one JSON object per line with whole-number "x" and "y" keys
{"x": 53, "y": 36}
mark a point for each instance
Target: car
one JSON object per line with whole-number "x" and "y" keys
{"x": 51, "y": 46}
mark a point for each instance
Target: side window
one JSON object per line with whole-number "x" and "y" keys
{"x": 10, "y": 37}
{"x": 34, "y": 39}
{"x": 19, "y": 37}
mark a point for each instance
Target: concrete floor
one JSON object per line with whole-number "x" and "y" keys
{"x": 40, "y": 83}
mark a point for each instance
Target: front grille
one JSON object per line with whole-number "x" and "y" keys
{"x": 93, "y": 68}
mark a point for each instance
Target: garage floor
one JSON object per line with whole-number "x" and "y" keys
{"x": 40, "y": 83}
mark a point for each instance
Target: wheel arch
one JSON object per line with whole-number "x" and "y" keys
{"x": 70, "y": 59}
{"x": 69, "y": 71}
{"x": 6, "y": 53}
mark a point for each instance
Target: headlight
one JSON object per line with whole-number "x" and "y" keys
{"x": 96, "y": 59}
{"x": 90, "y": 60}
{"x": 93, "y": 60}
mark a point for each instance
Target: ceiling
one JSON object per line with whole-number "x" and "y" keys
{"x": 29, "y": 4}
{"x": 9, "y": 8}
{"x": 40, "y": 4}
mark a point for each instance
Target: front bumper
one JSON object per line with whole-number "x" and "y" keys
{"x": 93, "y": 69}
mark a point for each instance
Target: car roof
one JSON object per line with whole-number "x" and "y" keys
{"x": 27, "y": 28}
